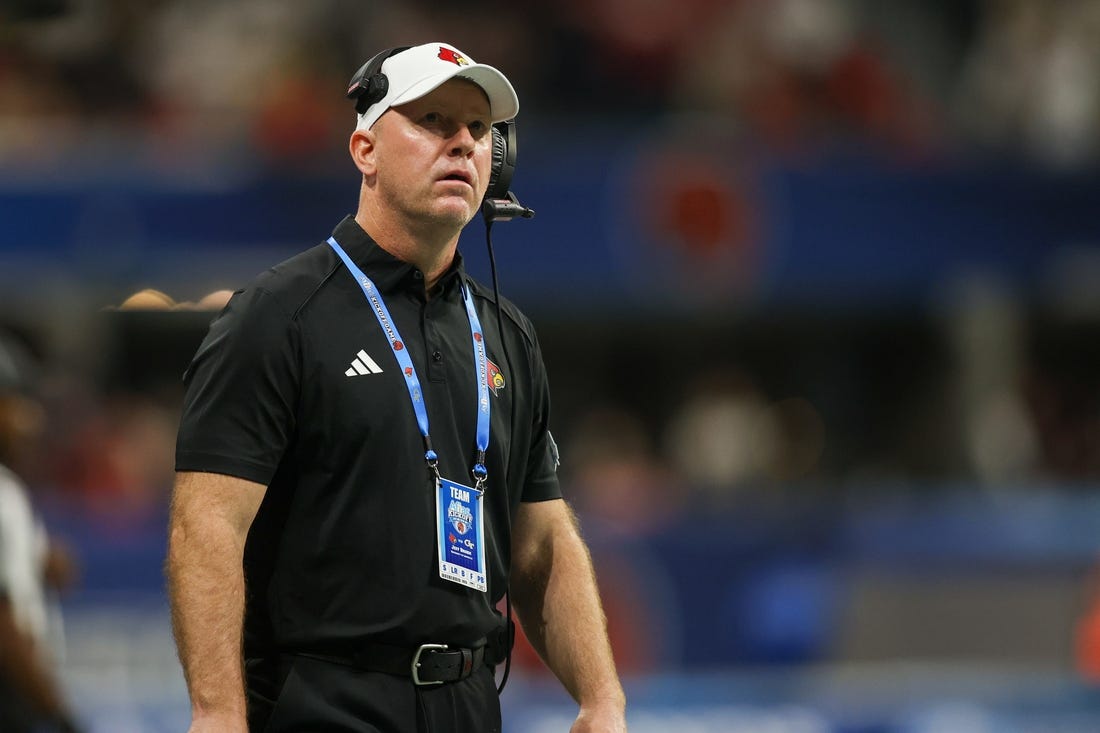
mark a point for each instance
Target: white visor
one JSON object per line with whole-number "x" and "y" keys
{"x": 417, "y": 71}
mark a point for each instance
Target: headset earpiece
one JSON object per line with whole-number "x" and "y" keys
{"x": 499, "y": 203}
{"x": 504, "y": 159}
{"x": 369, "y": 85}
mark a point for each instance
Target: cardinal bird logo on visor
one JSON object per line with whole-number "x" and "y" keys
{"x": 495, "y": 378}
{"x": 449, "y": 54}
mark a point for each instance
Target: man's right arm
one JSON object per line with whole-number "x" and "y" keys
{"x": 211, "y": 515}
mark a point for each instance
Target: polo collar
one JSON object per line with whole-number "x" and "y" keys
{"x": 389, "y": 273}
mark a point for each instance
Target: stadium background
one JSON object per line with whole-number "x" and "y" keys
{"x": 817, "y": 281}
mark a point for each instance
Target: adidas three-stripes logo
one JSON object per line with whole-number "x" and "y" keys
{"x": 362, "y": 364}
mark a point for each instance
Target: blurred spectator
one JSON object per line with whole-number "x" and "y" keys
{"x": 987, "y": 333}
{"x": 723, "y": 435}
{"x": 613, "y": 474}
{"x": 114, "y": 457}
{"x": 727, "y": 436}
{"x": 803, "y": 76}
{"x": 150, "y": 299}
{"x": 1086, "y": 633}
{"x": 248, "y": 72}
{"x": 1061, "y": 391}
{"x": 68, "y": 75}
{"x": 118, "y": 460}
{"x": 32, "y": 567}
{"x": 1030, "y": 81}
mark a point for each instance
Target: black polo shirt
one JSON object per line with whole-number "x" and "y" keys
{"x": 296, "y": 387}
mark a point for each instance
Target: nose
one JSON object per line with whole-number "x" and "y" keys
{"x": 463, "y": 142}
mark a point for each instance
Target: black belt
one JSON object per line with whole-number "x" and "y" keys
{"x": 428, "y": 664}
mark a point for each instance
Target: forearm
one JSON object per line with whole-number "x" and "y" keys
{"x": 24, "y": 668}
{"x": 558, "y": 603}
{"x": 206, "y": 592}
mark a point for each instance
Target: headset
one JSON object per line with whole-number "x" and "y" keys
{"x": 369, "y": 86}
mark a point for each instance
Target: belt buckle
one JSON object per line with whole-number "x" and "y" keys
{"x": 415, "y": 668}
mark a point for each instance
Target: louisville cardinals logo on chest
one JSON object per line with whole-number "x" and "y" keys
{"x": 495, "y": 378}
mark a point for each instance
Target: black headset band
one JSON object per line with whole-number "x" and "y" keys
{"x": 369, "y": 85}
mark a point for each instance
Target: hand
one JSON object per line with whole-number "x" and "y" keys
{"x": 606, "y": 719}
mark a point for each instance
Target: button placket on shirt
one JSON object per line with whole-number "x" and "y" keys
{"x": 433, "y": 343}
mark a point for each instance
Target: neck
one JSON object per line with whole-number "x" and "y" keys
{"x": 430, "y": 249}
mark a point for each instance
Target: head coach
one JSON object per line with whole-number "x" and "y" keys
{"x": 364, "y": 462}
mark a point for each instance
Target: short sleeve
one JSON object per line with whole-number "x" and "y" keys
{"x": 242, "y": 391}
{"x": 542, "y": 463}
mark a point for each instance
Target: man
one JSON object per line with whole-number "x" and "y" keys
{"x": 365, "y": 471}
{"x": 30, "y": 694}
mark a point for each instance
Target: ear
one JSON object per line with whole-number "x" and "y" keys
{"x": 361, "y": 147}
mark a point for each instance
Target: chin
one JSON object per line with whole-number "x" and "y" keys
{"x": 455, "y": 214}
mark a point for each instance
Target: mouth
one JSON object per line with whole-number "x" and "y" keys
{"x": 460, "y": 176}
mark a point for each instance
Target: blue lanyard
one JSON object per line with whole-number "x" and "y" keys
{"x": 378, "y": 306}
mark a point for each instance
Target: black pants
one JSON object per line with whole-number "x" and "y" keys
{"x": 296, "y": 694}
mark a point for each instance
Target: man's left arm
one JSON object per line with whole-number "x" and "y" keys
{"x": 554, "y": 592}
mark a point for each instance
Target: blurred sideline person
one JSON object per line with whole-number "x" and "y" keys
{"x": 30, "y": 693}
{"x": 149, "y": 299}
{"x": 365, "y": 466}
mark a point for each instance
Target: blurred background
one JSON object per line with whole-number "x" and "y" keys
{"x": 817, "y": 283}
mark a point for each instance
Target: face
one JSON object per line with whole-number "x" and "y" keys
{"x": 432, "y": 155}
{"x": 22, "y": 423}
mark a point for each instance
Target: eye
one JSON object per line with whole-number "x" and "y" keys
{"x": 478, "y": 128}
